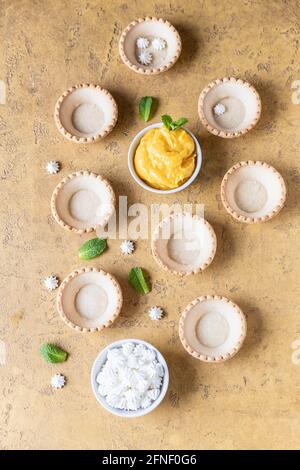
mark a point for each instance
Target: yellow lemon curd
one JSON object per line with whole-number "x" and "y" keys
{"x": 165, "y": 159}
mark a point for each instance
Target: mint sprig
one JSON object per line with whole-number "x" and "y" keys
{"x": 173, "y": 125}
{"x": 52, "y": 353}
{"x": 138, "y": 281}
{"x": 146, "y": 107}
{"x": 92, "y": 248}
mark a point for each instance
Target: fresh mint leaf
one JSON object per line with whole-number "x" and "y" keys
{"x": 179, "y": 123}
{"x": 173, "y": 125}
{"x": 146, "y": 107}
{"x": 137, "y": 280}
{"x": 167, "y": 121}
{"x": 92, "y": 248}
{"x": 53, "y": 354}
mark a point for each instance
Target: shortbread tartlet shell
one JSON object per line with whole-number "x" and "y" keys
{"x": 253, "y": 220}
{"x": 223, "y": 133}
{"x": 71, "y": 276}
{"x": 162, "y": 265}
{"x": 97, "y": 136}
{"x": 150, "y": 70}
{"x": 56, "y": 191}
{"x": 202, "y": 357}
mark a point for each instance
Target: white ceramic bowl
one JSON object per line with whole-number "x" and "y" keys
{"x": 99, "y": 362}
{"x": 131, "y": 153}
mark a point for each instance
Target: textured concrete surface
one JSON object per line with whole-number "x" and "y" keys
{"x": 251, "y": 401}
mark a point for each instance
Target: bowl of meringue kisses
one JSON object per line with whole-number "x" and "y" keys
{"x": 130, "y": 378}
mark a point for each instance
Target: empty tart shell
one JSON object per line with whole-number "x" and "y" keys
{"x": 150, "y": 28}
{"x": 212, "y": 328}
{"x": 229, "y": 107}
{"x": 85, "y": 113}
{"x": 253, "y": 192}
{"x": 83, "y": 201}
{"x": 183, "y": 244}
{"x": 89, "y": 300}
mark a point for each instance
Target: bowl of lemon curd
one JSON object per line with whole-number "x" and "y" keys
{"x": 164, "y": 161}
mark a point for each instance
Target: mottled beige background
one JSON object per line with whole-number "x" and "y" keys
{"x": 251, "y": 401}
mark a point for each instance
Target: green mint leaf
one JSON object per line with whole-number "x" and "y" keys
{"x": 146, "y": 107}
{"x": 92, "y": 248}
{"x": 53, "y": 354}
{"x": 173, "y": 125}
{"x": 137, "y": 280}
{"x": 179, "y": 123}
{"x": 167, "y": 121}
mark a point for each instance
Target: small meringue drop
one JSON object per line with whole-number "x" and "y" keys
{"x": 158, "y": 44}
{"x": 53, "y": 167}
{"x": 51, "y": 282}
{"x": 219, "y": 109}
{"x": 145, "y": 57}
{"x": 142, "y": 43}
{"x": 58, "y": 381}
{"x": 156, "y": 313}
{"x": 127, "y": 247}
